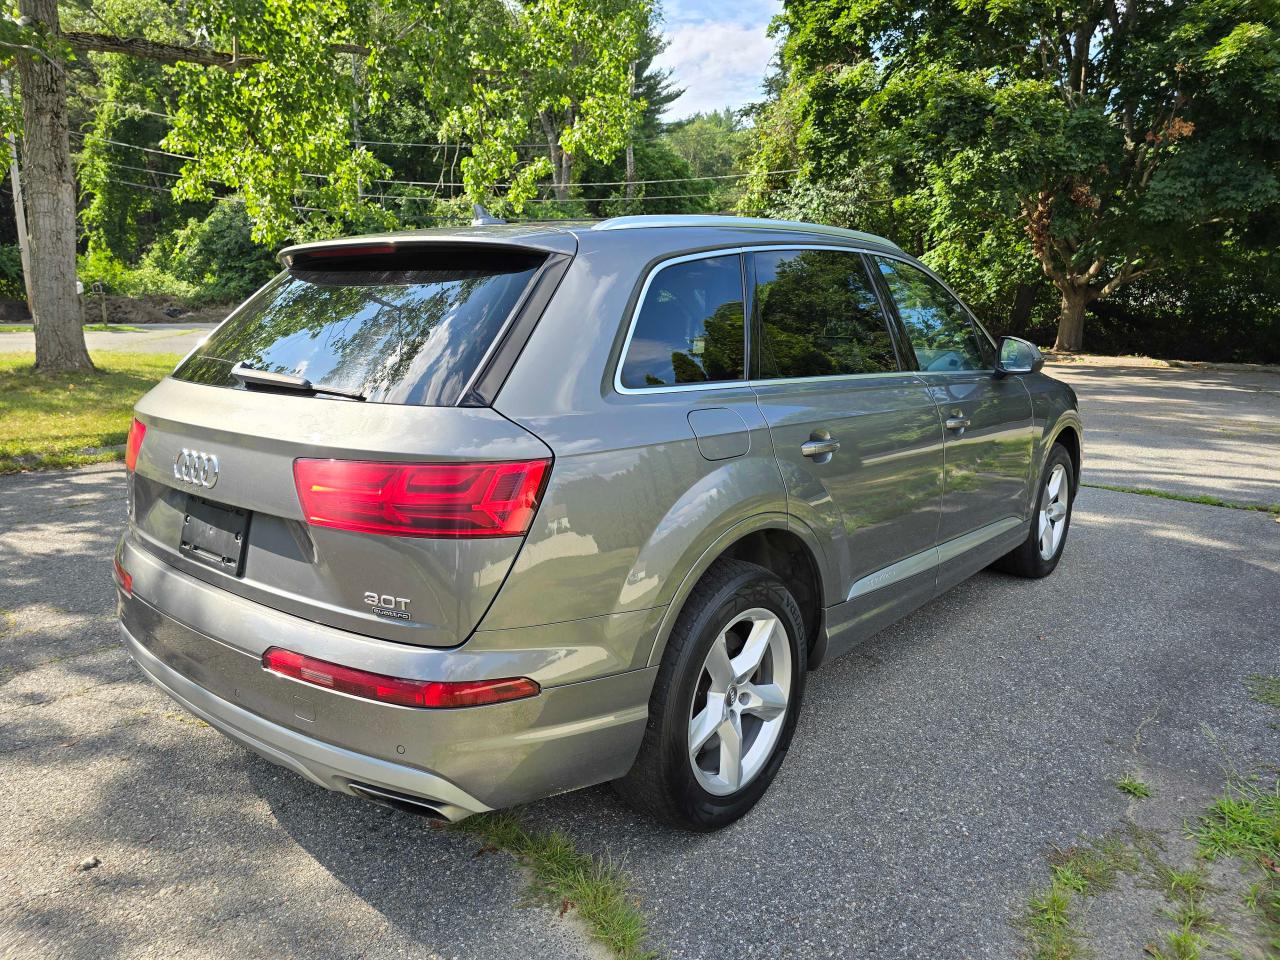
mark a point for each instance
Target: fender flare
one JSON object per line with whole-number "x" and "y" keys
{"x": 753, "y": 524}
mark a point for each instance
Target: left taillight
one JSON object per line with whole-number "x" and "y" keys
{"x": 132, "y": 446}
{"x": 421, "y": 499}
{"x": 431, "y": 694}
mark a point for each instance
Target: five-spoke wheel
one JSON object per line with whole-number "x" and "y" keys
{"x": 741, "y": 701}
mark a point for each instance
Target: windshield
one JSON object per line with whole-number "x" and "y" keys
{"x": 409, "y": 335}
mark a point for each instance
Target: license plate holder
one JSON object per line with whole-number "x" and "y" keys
{"x": 214, "y": 535}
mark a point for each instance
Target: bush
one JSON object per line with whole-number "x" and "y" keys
{"x": 208, "y": 261}
{"x": 215, "y": 256}
{"x": 11, "y": 283}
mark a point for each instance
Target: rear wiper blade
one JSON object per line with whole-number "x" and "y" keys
{"x": 287, "y": 381}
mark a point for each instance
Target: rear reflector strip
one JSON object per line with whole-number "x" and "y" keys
{"x": 421, "y": 499}
{"x": 123, "y": 577}
{"x": 133, "y": 445}
{"x": 431, "y": 694}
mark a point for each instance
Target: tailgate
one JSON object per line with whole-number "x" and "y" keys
{"x": 439, "y": 588}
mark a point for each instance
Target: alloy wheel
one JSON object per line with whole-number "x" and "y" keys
{"x": 1053, "y": 512}
{"x": 740, "y": 703}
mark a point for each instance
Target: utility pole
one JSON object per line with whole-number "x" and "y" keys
{"x": 631, "y": 138}
{"x": 19, "y": 208}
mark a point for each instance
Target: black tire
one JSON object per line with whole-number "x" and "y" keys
{"x": 662, "y": 782}
{"x": 1027, "y": 560}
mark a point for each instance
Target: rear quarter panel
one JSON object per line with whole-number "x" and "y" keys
{"x": 632, "y": 506}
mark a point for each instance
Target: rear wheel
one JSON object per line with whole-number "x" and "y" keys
{"x": 725, "y": 701}
{"x": 1039, "y": 553}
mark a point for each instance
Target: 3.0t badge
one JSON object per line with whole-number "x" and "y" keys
{"x": 196, "y": 467}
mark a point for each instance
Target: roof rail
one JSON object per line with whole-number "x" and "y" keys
{"x": 741, "y": 223}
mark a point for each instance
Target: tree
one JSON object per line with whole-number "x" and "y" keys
{"x": 1100, "y": 141}
{"x": 267, "y": 92}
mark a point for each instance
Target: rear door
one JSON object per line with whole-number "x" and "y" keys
{"x": 369, "y": 500}
{"x": 857, "y": 437}
{"x": 988, "y": 420}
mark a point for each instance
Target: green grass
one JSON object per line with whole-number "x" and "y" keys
{"x": 67, "y": 420}
{"x": 1264, "y": 689}
{"x": 1188, "y": 497}
{"x": 1050, "y": 930}
{"x": 1245, "y": 823}
{"x": 1079, "y": 871}
{"x": 567, "y": 879}
{"x": 1133, "y": 787}
{"x": 96, "y": 327}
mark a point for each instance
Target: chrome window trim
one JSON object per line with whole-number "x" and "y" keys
{"x": 736, "y": 250}
{"x": 833, "y": 378}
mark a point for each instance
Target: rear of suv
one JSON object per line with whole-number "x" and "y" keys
{"x": 459, "y": 519}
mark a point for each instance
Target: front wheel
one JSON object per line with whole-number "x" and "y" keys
{"x": 1040, "y": 552}
{"x": 725, "y": 701}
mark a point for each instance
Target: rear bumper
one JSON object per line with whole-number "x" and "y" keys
{"x": 462, "y": 761}
{"x": 329, "y": 766}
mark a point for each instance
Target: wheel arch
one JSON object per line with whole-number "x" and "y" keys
{"x": 780, "y": 544}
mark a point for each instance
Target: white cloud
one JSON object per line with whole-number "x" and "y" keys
{"x": 718, "y": 63}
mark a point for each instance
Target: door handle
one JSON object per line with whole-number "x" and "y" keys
{"x": 819, "y": 448}
{"x": 957, "y": 423}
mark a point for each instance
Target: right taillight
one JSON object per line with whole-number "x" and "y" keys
{"x": 133, "y": 446}
{"x": 421, "y": 499}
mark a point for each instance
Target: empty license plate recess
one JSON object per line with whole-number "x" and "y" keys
{"x": 214, "y": 535}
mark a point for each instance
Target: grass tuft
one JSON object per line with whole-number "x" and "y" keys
{"x": 1245, "y": 822}
{"x": 1264, "y": 689}
{"x": 1203, "y": 498}
{"x": 1133, "y": 787}
{"x": 68, "y": 420}
{"x": 566, "y": 878}
{"x": 1049, "y": 927}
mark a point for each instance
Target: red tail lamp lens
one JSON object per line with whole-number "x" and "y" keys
{"x": 421, "y": 499}
{"x": 132, "y": 446}
{"x": 433, "y": 694}
{"x": 123, "y": 577}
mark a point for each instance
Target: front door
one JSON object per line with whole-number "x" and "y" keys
{"x": 857, "y": 437}
{"x": 987, "y": 420}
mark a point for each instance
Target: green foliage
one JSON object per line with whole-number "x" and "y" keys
{"x": 213, "y": 260}
{"x": 11, "y": 282}
{"x": 217, "y": 256}
{"x": 1092, "y": 144}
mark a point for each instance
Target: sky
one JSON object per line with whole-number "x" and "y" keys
{"x": 719, "y": 52}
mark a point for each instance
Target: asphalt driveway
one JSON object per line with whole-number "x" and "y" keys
{"x": 932, "y": 770}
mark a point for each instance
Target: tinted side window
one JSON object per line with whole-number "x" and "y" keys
{"x": 820, "y": 315}
{"x": 941, "y": 333}
{"x": 690, "y": 328}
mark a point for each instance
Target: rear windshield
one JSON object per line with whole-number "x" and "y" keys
{"x": 410, "y": 328}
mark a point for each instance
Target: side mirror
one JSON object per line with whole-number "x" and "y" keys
{"x": 1018, "y": 356}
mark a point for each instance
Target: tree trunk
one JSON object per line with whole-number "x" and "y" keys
{"x": 1071, "y": 321}
{"x": 51, "y": 204}
{"x": 1024, "y": 298}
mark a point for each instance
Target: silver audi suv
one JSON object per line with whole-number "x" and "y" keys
{"x": 458, "y": 519}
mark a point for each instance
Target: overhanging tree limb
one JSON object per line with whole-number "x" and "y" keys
{"x": 177, "y": 53}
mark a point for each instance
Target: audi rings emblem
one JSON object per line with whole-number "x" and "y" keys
{"x": 196, "y": 467}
